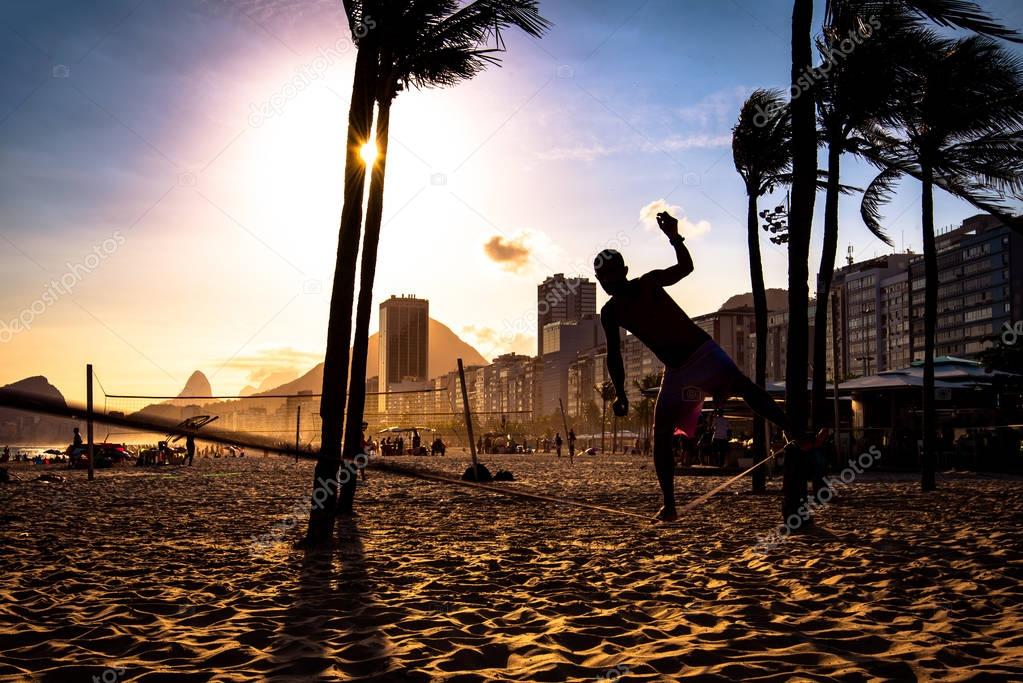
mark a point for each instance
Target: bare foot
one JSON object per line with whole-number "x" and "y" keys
{"x": 665, "y": 515}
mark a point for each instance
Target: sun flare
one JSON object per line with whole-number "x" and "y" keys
{"x": 368, "y": 152}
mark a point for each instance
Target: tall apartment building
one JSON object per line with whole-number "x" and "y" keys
{"x": 404, "y": 340}
{"x": 731, "y": 328}
{"x": 508, "y": 387}
{"x": 561, "y": 299}
{"x": 980, "y": 287}
{"x": 561, "y": 342}
{"x": 585, "y": 374}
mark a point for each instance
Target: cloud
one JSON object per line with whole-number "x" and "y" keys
{"x": 492, "y": 343}
{"x": 595, "y": 150}
{"x": 686, "y": 227}
{"x": 512, "y": 254}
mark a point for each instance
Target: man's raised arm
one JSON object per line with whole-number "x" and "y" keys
{"x": 669, "y": 276}
{"x": 615, "y": 364}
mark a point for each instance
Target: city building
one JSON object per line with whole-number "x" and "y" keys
{"x": 561, "y": 342}
{"x": 980, "y": 287}
{"x": 561, "y": 299}
{"x": 730, "y": 329}
{"x": 404, "y": 340}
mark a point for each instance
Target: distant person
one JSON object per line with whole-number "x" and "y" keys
{"x": 557, "y": 443}
{"x": 417, "y": 442}
{"x": 77, "y": 438}
{"x": 487, "y": 445}
{"x": 6, "y": 455}
{"x": 438, "y": 447}
{"x": 571, "y": 442}
{"x": 722, "y": 432}
{"x": 190, "y": 448}
{"x": 694, "y": 364}
{"x": 365, "y": 449}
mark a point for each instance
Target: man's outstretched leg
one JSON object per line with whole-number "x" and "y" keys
{"x": 757, "y": 398}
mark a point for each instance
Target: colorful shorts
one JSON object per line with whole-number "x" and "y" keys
{"x": 708, "y": 372}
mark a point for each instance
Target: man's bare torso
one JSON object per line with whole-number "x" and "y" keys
{"x": 646, "y": 310}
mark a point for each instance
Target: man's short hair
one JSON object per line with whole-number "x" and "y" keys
{"x": 608, "y": 259}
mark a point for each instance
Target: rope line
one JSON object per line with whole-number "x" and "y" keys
{"x": 444, "y": 479}
{"x": 721, "y": 487}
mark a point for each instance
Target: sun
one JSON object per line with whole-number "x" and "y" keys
{"x": 368, "y": 152}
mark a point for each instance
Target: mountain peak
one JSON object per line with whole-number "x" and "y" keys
{"x": 196, "y": 386}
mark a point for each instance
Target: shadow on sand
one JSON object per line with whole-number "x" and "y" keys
{"x": 334, "y": 627}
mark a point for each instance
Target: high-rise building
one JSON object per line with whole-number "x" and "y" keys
{"x": 561, "y": 342}
{"x": 561, "y": 299}
{"x": 980, "y": 287}
{"x": 404, "y": 341}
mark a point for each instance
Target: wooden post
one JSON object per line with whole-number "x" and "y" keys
{"x": 468, "y": 421}
{"x": 88, "y": 416}
{"x": 570, "y": 442}
{"x": 298, "y": 430}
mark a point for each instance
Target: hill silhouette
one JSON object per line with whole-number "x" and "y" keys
{"x": 777, "y": 300}
{"x": 25, "y": 428}
{"x": 197, "y": 385}
{"x": 446, "y": 348}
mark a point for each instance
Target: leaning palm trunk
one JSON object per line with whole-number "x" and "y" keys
{"x": 360, "y": 345}
{"x": 804, "y": 186}
{"x": 339, "y": 327}
{"x": 927, "y": 482}
{"x": 819, "y": 403}
{"x": 756, "y": 269}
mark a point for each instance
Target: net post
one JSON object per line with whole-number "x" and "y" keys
{"x": 88, "y": 416}
{"x": 298, "y": 430}
{"x": 468, "y": 420}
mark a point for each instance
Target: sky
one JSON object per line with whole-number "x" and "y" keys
{"x": 172, "y": 175}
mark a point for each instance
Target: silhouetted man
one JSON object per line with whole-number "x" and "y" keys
{"x": 190, "y": 448}
{"x": 557, "y": 443}
{"x": 694, "y": 364}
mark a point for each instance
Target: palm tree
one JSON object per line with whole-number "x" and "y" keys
{"x": 339, "y": 326}
{"x": 432, "y": 43}
{"x": 645, "y": 407}
{"x": 606, "y": 390}
{"x": 956, "y": 13}
{"x": 761, "y": 151}
{"x": 960, "y": 128}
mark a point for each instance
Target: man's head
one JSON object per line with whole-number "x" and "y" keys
{"x": 611, "y": 270}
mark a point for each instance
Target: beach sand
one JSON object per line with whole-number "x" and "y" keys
{"x": 189, "y": 574}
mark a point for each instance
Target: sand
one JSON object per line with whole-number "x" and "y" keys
{"x": 189, "y": 574}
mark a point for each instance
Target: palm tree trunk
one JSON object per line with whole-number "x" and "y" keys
{"x": 756, "y": 269}
{"x": 928, "y": 457}
{"x": 804, "y": 186}
{"x": 819, "y": 403}
{"x": 339, "y": 327}
{"x": 360, "y": 344}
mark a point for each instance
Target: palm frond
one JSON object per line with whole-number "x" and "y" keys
{"x": 878, "y": 193}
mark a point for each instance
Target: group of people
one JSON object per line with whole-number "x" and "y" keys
{"x": 397, "y": 446}
{"x": 710, "y": 444}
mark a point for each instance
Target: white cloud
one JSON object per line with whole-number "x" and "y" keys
{"x": 686, "y": 227}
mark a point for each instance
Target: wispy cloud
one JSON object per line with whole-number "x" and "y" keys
{"x": 688, "y": 228}
{"x": 596, "y": 150}
{"x": 511, "y": 253}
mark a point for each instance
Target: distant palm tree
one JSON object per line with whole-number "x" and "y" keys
{"x": 645, "y": 407}
{"x": 762, "y": 153}
{"x": 339, "y": 326}
{"x": 606, "y": 390}
{"x": 429, "y": 43}
{"x": 960, "y": 128}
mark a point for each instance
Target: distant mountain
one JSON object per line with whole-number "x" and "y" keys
{"x": 777, "y": 300}
{"x": 446, "y": 348}
{"x": 24, "y": 428}
{"x": 197, "y": 385}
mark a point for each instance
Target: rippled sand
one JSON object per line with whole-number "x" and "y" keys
{"x": 189, "y": 574}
